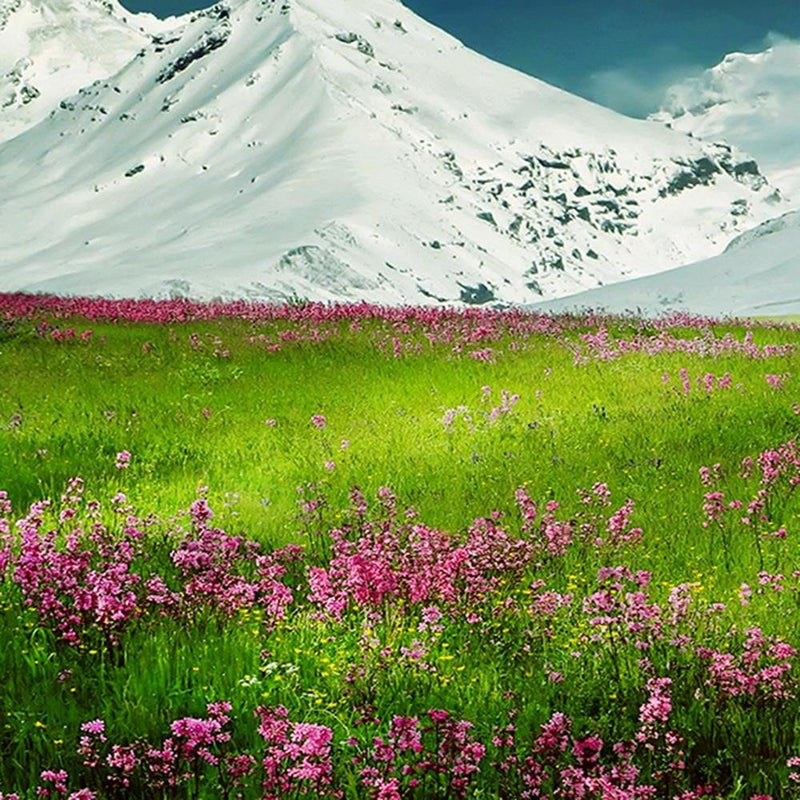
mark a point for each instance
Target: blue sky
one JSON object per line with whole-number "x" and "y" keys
{"x": 621, "y": 53}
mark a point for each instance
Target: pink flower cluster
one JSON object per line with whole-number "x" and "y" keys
{"x": 761, "y": 668}
{"x": 227, "y": 573}
{"x": 622, "y": 611}
{"x": 376, "y": 561}
{"x": 194, "y": 745}
{"x": 442, "y": 752}
{"x": 88, "y": 576}
{"x": 82, "y": 579}
{"x": 298, "y": 756}
{"x": 779, "y": 470}
{"x": 707, "y": 383}
{"x": 396, "y": 331}
{"x": 600, "y": 345}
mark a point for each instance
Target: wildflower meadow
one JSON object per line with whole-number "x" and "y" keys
{"x": 260, "y": 551}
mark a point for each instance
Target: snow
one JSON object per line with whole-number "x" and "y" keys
{"x": 749, "y": 100}
{"x": 758, "y": 275}
{"x": 334, "y": 150}
{"x": 49, "y": 49}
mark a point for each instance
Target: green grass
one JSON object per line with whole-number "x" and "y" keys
{"x": 614, "y": 422}
{"x": 193, "y": 419}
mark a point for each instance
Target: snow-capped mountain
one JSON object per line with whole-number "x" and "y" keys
{"x": 49, "y": 49}
{"x": 346, "y": 149}
{"x": 752, "y": 102}
{"x": 757, "y": 275}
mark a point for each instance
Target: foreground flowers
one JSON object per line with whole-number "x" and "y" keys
{"x": 93, "y": 575}
{"x": 437, "y": 756}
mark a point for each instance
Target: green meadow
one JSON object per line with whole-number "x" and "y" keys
{"x": 273, "y": 423}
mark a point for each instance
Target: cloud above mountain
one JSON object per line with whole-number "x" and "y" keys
{"x": 747, "y": 100}
{"x": 773, "y": 68}
{"x": 637, "y": 90}
{"x": 678, "y": 83}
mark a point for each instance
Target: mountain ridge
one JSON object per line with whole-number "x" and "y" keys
{"x": 347, "y": 151}
{"x": 757, "y": 275}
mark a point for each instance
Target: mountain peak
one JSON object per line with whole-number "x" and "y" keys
{"x": 345, "y": 150}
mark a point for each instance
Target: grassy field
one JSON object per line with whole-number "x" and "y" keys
{"x": 569, "y": 568}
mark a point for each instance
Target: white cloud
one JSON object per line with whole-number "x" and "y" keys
{"x": 635, "y": 90}
{"x": 751, "y": 101}
{"x": 770, "y": 71}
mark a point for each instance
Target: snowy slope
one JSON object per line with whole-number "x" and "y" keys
{"x": 751, "y": 101}
{"x": 758, "y": 275}
{"x": 49, "y": 49}
{"x": 346, "y": 149}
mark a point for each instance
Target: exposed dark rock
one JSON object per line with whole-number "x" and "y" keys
{"x": 209, "y": 43}
{"x": 476, "y": 295}
{"x": 362, "y": 45}
{"x": 449, "y": 160}
{"x": 425, "y": 293}
{"x": 218, "y": 11}
{"x": 746, "y": 168}
{"x": 608, "y": 205}
{"x": 28, "y": 93}
{"x": 534, "y": 287}
{"x": 161, "y": 40}
{"x": 746, "y": 172}
{"x": 553, "y": 164}
{"x": 697, "y": 173}
{"x": 705, "y": 168}
{"x": 740, "y": 208}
